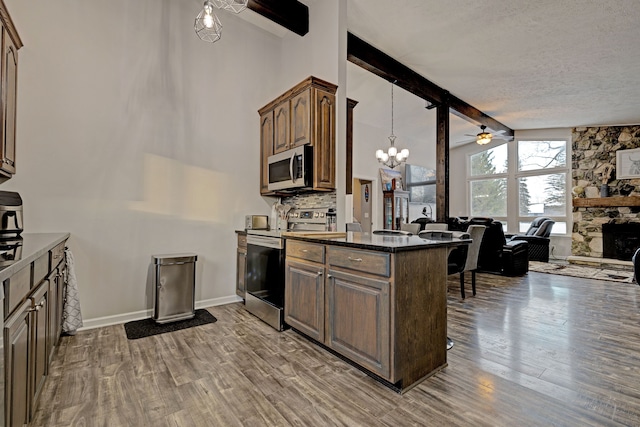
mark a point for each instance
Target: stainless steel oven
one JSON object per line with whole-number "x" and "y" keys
{"x": 265, "y": 265}
{"x": 265, "y": 278}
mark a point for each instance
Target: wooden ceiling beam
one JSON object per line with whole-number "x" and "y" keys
{"x": 379, "y": 63}
{"x": 291, "y": 14}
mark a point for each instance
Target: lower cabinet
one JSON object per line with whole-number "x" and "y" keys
{"x": 39, "y": 337}
{"x": 17, "y": 339}
{"x": 27, "y": 357}
{"x": 304, "y": 298}
{"x": 30, "y": 333}
{"x": 56, "y": 300}
{"x": 384, "y": 310}
{"x": 349, "y": 308}
{"x": 359, "y": 320}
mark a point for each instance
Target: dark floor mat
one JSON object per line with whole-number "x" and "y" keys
{"x": 147, "y": 327}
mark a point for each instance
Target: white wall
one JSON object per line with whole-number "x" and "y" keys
{"x": 140, "y": 139}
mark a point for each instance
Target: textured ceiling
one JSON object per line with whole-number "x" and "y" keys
{"x": 529, "y": 64}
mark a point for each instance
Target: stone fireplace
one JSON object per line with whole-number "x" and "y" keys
{"x": 593, "y": 164}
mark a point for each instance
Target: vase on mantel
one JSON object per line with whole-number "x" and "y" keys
{"x": 604, "y": 190}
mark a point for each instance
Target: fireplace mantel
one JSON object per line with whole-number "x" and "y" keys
{"x": 606, "y": 202}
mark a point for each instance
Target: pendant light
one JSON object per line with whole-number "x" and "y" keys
{"x": 483, "y": 137}
{"x": 207, "y": 25}
{"x": 392, "y": 157}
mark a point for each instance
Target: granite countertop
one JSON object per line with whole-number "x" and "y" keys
{"x": 376, "y": 242}
{"x": 34, "y": 245}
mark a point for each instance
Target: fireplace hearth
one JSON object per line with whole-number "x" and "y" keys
{"x": 620, "y": 241}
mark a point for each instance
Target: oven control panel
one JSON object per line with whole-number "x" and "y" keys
{"x": 308, "y": 219}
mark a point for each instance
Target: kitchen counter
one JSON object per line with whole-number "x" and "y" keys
{"x": 375, "y": 242}
{"x": 380, "y": 301}
{"x": 34, "y": 245}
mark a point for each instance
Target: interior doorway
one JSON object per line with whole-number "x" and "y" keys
{"x": 362, "y": 203}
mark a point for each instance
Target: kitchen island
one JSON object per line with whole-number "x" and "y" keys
{"x": 379, "y": 301}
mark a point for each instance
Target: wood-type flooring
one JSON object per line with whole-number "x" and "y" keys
{"x": 537, "y": 350}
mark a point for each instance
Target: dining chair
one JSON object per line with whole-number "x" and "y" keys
{"x": 436, "y": 226}
{"x": 354, "y": 226}
{"x": 469, "y": 262}
{"x": 411, "y": 228}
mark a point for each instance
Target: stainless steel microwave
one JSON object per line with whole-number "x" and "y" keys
{"x": 291, "y": 170}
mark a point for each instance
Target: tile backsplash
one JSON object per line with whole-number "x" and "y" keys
{"x": 311, "y": 200}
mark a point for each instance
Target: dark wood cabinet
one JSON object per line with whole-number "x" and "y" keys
{"x": 39, "y": 338}
{"x": 303, "y": 115}
{"x": 17, "y": 339}
{"x": 358, "y": 320}
{"x": 301, "y": 119}
{"x": 304, "y": 298}
{"x": 241, "y": 265}
{"x": 266, "y": 148}
{"x": 324, "y": 141}
{"x": 384, "y": 311}
{"x": 32, "y": 327}
{"x": 9, "y": 74}
{"x": 281, "y": 127}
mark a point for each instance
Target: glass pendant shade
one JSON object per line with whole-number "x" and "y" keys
{"x": 207, "y": 25}
{"x": 483, "y": 137}
{"x": 392, "y": 157}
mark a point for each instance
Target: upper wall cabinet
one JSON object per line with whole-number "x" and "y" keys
{"x": 303, "y": 115}
{"x": 8, "y": 74}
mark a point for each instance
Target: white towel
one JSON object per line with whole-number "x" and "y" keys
{"x": 71, "y": 315}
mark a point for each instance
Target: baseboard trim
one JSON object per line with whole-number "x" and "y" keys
{"x": 117, "y": 319}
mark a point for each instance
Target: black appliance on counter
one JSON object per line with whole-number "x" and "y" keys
{"x": 10, "y": 215}
{"x": 10, "y": 251}
{"x": 265, "y": 265}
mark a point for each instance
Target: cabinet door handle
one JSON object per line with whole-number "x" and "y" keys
{"x": 305, "y": 251}
{"x": 319, "y": 273}
{"x": 329, "y": 276}
{"x": 37, "y": 307}
{"x": 355, "y": 259}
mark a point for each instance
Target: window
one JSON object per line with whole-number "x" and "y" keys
{"x": 421, "y": 185}
{"x": 542, "y": 183}
{"x": 488, "y": 183}
{"x": 534, "y": 184}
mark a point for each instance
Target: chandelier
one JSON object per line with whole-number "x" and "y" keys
{"x": 392, "y": 157}
{"x": 207, "y": 25}
{"x": 483, "y": 137}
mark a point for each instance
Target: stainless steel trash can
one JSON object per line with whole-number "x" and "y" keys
{"x": 174, "y": 287}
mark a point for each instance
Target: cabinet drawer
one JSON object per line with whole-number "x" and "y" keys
{"x": 308, "y": 251}
{"x": 366, "y": 261}
{"x": 56, "y": 254}
{"x": 19, "y": 286}
{"x": 242, "y": 241}
{"x": 40, "y": 269}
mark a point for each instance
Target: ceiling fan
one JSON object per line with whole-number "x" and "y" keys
{"x": 483, "y": 137}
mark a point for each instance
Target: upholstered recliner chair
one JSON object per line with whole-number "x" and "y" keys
{"x": 538, "y": 237}
{"x": 497, "y": 255}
